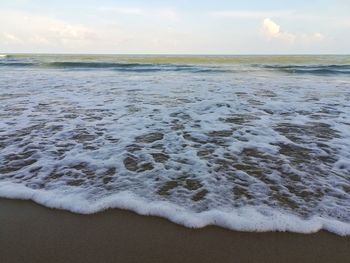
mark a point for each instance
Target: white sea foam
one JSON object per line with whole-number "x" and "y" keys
{"x": 240, "y": 219}
{"x": 259, "y": 150}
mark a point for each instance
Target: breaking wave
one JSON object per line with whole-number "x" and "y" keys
{"x": 310, "y": 69}
{"x": 132, "y": 67}
{"x": 255, "y": 151}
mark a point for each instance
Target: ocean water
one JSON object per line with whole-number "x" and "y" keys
{"x": 250, "y": 143}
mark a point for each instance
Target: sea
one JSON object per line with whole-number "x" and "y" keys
{"x": 248, "y": 143}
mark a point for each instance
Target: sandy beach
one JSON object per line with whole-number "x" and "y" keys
{"x": 32, "y": 233}
{"x": 174, "y": 131}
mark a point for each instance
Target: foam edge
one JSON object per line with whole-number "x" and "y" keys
{"x": 247, "y": 219}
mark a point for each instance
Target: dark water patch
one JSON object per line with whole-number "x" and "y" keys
{"x": 197, "y": 138}
{"x": 20, "y": 156}
{"x": 323, "y": 131}
{"x": 266, "y": 93}
{"x": 300, "y": 133}
{"x": 183, "y": 182}
{"x": 295, "y": 152}
{"x": 200, "y": 195}
{"x": 158, "y": 146}
{"x": 251, "y": 169}
{"x": 77, "y": 182}
{"x": 131, "y": 163}
{"x": 80, "y": 174}
{"x": 222, "y": 165}
{"x": 107, "y": 180}
{"x": 176, "y": 125}
{"x": 16, "y": 165}
{"x": 222, "y": 133}
{"x": 150, "y": 137}
{"x": 254, "y": 102}
{"x": 85, "y": 169}
{"x": 239, "y": 119}
{"x": 284, "y": 199}
{"x": 168, "y": 186}
{"x": 82, "y": 136}
{"x": 134, "y": 164}
{"x": 192, "y": 184}
{"x": 160, "y": 157}
{"x": 205, "y": 152}
{"x": 133, "y": 148}
{"x": 181, "y": 115}
{"x": 241, "y": 193}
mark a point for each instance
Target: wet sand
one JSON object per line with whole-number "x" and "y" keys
{"x": 32, "y": 233}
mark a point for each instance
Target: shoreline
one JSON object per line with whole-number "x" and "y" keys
{"x": 32, "y": 233}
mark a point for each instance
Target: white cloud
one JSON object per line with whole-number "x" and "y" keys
{"x": 22, "y": 28}
{"x": 25, "y": 32}
{"x": 272, "y": 31}
{"x": 9, "y": 38}
{"x": 147, "y": 30}
{"x": 312, "y": 38}
{"x": 271, "y": 28}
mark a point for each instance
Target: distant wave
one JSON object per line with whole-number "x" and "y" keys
{"x": 16, "y": 64}
{"x": 142, "y": 66}
{"x": 310, "y": 69}
{"x": 93, "y": 65}
{"x": 138, "y": 67}
{"x": 133, "y": 67}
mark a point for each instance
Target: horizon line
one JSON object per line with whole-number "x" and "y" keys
{"x": 177, "y": 54}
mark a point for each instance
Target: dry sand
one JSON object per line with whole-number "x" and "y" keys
{"x": 32, "y": 233}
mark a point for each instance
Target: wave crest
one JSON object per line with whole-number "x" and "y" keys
{"x": 133, "y": 67}
{"x": 311, "y": 69}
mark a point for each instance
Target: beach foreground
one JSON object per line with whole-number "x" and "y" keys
{"x": 32, "y": 233}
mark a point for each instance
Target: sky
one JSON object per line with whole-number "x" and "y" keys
{"x": 175, "y": 27}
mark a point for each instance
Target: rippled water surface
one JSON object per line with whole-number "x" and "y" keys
{"x": 197, "y": 135}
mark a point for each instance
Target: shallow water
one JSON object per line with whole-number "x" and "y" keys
{"x": 249, "y": 143}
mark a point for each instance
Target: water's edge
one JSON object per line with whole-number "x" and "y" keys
{"x": 246, "y": 219}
